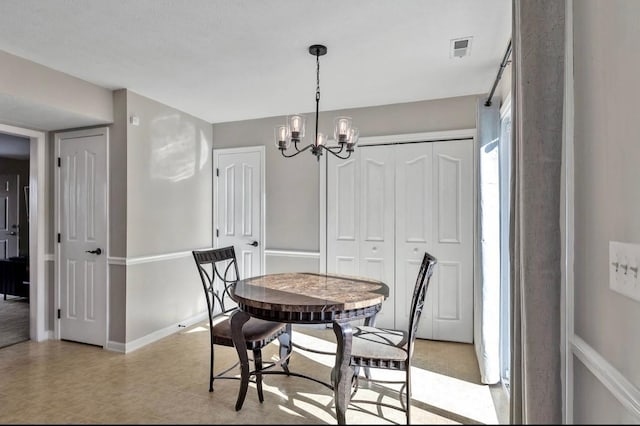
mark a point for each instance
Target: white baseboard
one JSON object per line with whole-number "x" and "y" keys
{"x": 115, "y": 346}
{"x": 156, "y": 335}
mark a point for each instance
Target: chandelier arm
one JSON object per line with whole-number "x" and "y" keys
{"x": 332, "y": 149}
{"x": 295, "y": 153}
{"x": 335, "y": 154}
{"x": 295, "y": 145}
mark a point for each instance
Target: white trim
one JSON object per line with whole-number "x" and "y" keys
{"x": 292, "y": 253}
{"x": 112, "y": 260}
{"x": 152, "y": 258}
{"x": 49, "y": 257}
{"x": 115, "y": 346}
{"x": 128, "y": 261}
{"x": 58, "y": 136}
{"x": 156, "y": 335}
{"x": 37, "y": 223}
{"x": 263, "y": 199}
{"x": 567, "y": 321}
{"x": 625, "y": 392}
{"x": 418, "y": 137}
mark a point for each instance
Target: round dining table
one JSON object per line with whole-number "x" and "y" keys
{"x": 308, "y": 298}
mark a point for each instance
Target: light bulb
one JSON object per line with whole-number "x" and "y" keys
{"x": 322, "y": 139}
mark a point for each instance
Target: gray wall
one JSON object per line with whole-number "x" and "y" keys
{"x": 118, "y": 217}
{"x": 37, "y": 97}
{"x": 168, "y": 210}
{"x": 292, "y": 217}
{"x": 607, "y": 199}
{"x": 21, "y": 168}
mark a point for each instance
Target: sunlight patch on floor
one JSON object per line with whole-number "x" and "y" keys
{"x": 468, "y": 400}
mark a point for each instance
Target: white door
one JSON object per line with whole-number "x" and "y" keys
{"x": 239, "y": 205}
{"x": 82, "y": 227}
{"x": 362, "y": 215}
{"x": 386, "y": 206}
{"x": 9, "y": 205}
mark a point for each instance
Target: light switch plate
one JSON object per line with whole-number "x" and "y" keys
{"x": 624, "y": 276}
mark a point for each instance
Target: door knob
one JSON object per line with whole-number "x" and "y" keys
{"x": 13, "y": 233}
{"x": 97, "y": 251}
{"x": 255, "y": 244}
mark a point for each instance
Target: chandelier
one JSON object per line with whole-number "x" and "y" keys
{"x": 345, "y": 135}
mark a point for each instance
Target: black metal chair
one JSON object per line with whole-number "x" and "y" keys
{"x": 218, "y": 271}
{"x": 391, "y": 349}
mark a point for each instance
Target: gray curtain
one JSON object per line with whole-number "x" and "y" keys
{"x": 538, "y": 77}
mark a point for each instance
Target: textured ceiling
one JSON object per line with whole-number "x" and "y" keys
{"x": 226, "y": 60}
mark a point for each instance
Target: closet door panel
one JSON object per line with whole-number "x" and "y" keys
{"x": 377, "y": 222}
{"x": 343, "y": 211}
{"x": 414, "y": 229}
{"x": 453, "y": 207}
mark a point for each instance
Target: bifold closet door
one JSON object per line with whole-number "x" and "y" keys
{"x": 360, "y": 228}
{"x": 389, "y": 204}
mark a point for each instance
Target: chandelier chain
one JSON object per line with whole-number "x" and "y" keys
{"x": 317, "y": 77}
{"x": 315, "y": 141}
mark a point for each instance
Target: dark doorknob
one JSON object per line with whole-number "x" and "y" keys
{"x": 97, "y": 251}
{"x": 255, "y": 244}
{"x": 13, "y": 233}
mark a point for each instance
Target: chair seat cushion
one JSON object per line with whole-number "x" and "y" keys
{"x": 372, "y": 343}
{"x": 257, "y": 332}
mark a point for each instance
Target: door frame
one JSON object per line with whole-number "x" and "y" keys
{"x": 37, "y": 223}
{"x": 394, "y": 139}
{"x": 216, "y": 157}
{"x": 57, "y": 136}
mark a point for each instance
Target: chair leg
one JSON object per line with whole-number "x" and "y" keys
{"x": 257, "y": 361}
{"x": 211, "y": 369}
{"x": 285, "y": 347}
{"x": 408, "y": 412}
{"x": 370, "y": 321}
{"x": 238, "y": 319}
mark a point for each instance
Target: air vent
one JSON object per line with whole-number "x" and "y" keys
{"x": 461, "y": 47}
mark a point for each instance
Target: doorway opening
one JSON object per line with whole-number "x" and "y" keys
{"x": 33, "y": 189}
{"x": 14, "y": 239}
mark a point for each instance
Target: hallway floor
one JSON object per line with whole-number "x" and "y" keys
{"x": 14, "y": 320}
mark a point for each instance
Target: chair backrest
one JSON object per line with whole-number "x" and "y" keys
{"x": 218, "y": 271}
{"x": 419, "y": 294}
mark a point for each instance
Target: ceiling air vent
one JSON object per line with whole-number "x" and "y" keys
{"x": 461, "y": 47}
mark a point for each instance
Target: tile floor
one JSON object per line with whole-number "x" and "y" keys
{"x": 166, "y": 382}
